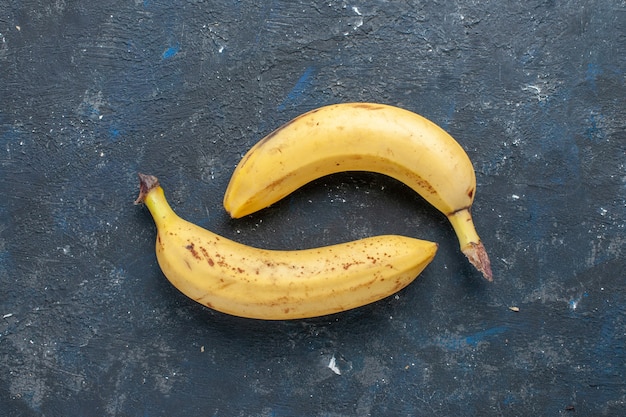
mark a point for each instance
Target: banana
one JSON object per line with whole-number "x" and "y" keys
{"x": 277, "y": 285}
{"x": 362, "y": 137}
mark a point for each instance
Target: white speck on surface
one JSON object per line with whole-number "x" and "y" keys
{"x": 6, "y": 316}
{"x": 515, "y": 197}
{"x": 573, "y": 303}
{"x": 356, "y": 10}
{"x": 537, "y": 90}
{"x": 333, "y": 365}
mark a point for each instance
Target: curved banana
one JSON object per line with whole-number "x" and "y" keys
{"x": 362, "y": 137}
{"x": 275, "y": 285}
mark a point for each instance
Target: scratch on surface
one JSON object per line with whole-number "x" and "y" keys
{"x": 537, "y": 90}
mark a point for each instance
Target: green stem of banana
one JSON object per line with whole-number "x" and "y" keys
{"x": 470, "y": 243}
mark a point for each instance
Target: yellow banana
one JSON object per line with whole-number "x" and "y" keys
{"x": 275, "y": 285}
{"x": 362, "y": 137}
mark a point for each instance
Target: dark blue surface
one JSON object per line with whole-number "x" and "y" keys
{"x": 92, "y": 92}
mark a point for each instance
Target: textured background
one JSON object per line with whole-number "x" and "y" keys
{"x": 93, "y": 91}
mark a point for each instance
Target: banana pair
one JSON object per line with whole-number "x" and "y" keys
{"x": 274, "y": 285}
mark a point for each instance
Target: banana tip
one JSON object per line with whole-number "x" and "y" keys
{"x": 478, "y": 257}
{"x": 146, "y": 183}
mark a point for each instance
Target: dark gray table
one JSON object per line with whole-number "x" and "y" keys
{"x": 91, "y": 92}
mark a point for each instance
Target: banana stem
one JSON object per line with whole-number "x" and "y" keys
{"x": 151, "y": 194}
{"x": 146, "y": 184}
{"x": 470, "y": 243}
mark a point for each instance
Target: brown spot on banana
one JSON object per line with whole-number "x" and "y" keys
{"x": 368, "y": 106}
{"x": 462, "y": 209}
{"x": 205, "y": 253}
{"x": 289, "y": 123}
{"x": 347, "y": 265}
{"x": 191, "y": 248}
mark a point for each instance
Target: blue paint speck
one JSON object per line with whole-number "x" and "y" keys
{"x": 449, "y": 116}
{"x": 114, "y": 133}
{"x": 460, "y": 342}
{"x": 303, "y": 83}
{"x": 594, "y": 132}
{"x": 170, "y": 52}
{"x": 509, "y": 400}
{"x": 478, "y": 337}
{"x": 593, "y": 71}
